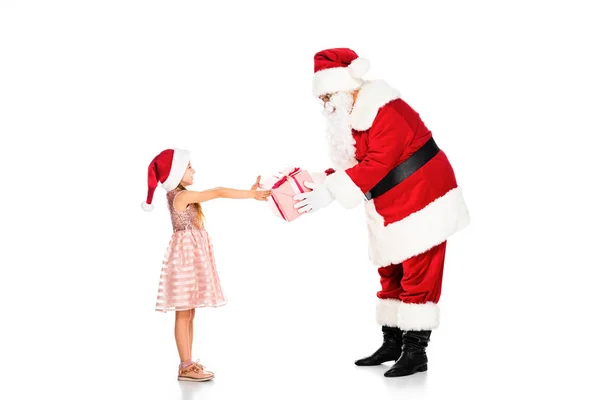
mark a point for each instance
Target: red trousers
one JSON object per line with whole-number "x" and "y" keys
{"x": 410, "y": 291}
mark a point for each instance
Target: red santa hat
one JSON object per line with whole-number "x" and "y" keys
{"x": 166, "y": 168}
{"x": 338, "y": 70}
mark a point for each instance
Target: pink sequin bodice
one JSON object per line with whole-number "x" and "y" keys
{"x": 182, "y": 220}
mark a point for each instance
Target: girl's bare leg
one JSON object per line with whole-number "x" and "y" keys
{"x": 182, "y": 332}
{"x": 191, "y": 330}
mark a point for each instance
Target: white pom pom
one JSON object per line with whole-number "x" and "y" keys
{"x": 359, "y": 67}
{"x": 147, "y": 207}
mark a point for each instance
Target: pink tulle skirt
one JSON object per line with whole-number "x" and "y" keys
{"x": 189, "y": 276}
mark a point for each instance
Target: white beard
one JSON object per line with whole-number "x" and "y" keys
{"x": 339, "y": 133}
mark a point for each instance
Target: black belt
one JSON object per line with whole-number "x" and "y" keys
{"x": 405, "y": 169}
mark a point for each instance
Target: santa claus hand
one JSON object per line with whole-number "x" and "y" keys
{"x": 314, "y": 200}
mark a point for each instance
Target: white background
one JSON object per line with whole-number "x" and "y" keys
{"x": 90, "y": 92}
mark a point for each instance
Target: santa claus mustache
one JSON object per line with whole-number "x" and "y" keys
{"x": 337, "y": 113}
{"x": 339, "y": 103}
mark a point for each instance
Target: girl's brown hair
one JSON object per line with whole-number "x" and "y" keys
{"x": 197, "y": 206}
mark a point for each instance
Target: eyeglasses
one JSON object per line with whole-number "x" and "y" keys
{"x": 325, "y": 98}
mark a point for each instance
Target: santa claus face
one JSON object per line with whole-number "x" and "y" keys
{"x": 340, "y": 101}
{"x": 188, "y": 177}
{"x": 336, "y": 109}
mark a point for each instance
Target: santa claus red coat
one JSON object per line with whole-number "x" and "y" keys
{"x": 410, "y": 223}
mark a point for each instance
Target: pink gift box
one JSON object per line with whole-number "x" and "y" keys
{"x": 284, "y": 187}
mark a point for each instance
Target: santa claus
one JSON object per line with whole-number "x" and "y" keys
{"x": 385, "y": 158}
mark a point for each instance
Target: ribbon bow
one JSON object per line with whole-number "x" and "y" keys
{"x": 283, "y": 177}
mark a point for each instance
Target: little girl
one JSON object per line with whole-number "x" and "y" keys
{"x": 188, "y": 279}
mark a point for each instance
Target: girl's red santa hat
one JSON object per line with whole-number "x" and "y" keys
{"x": 167, "y": 168}
{"x": 338, "y": 70}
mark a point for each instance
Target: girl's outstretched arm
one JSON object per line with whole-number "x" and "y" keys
{"x": 188, "y": 196}
{"x": 227, "y": 193}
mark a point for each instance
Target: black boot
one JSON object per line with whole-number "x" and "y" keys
{"x": 390, "y": 350}
{"x": 413, "y": 358}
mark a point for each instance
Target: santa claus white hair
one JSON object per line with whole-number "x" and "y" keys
{"x": 339, "y": 132}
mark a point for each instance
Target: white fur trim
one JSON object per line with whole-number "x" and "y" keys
{"x": 359, "y": 67}
{"x": 181, "y": 158}
{"x": 344, "y": 190}
{"x": 147, "y": 207}
{"x": 334, "y": 80}
{"x": 417, "y": 233}
{"x": 407, "y": 316}
{"x": 372, "y": 96}
{"x": 387, "y": 312}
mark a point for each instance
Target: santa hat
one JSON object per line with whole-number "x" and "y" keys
{"x": 167, "y": 168}
{"x": 338, "y": 70}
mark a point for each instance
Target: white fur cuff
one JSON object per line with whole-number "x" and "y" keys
{"x": 344, "y": 190}
{"x": 406, "y": 316}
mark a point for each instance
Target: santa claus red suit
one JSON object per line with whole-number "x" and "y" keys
{"x": 385, "y": 159}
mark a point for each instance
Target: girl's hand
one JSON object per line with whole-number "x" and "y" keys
{"x": 255, "y": 186}
{"x": 261, "y": 195}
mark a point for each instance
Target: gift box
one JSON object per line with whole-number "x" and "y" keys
{"x": 284, "y": 186}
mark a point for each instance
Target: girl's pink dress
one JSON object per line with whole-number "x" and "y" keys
{"x": 189, "y": 277}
